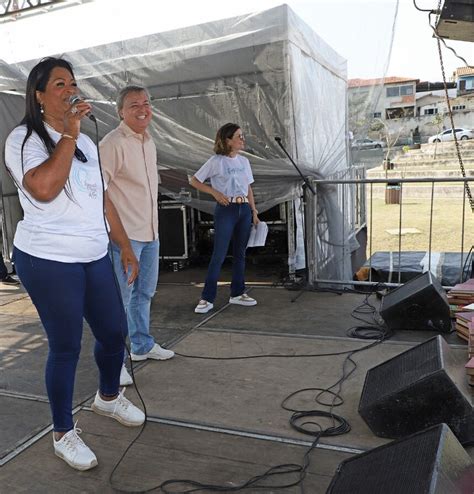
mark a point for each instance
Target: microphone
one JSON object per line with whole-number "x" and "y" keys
{"x": 75, "y": 98}
{"x": 278, "y": 139}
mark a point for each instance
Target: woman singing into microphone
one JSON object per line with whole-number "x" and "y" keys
{"x": 60, "y": 251}
{"x": 230, "y": 175}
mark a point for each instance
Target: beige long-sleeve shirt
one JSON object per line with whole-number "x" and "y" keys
{"x": 130, "y": 171}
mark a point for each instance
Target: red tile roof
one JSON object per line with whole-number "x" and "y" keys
{"x": 376, "y": 82}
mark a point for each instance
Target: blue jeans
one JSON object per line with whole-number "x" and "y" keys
{"x": 63, "y": 294}
{"x": 137, "y": 297}
{"x": 230, "y": 222}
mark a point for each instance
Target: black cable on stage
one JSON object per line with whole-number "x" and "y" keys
{"x": 299, "y": 420}
{"x": 375, "y": 328}
{"x": 122, "y": 331}
{"x": 273, "y": 355}
{"x": 302, "y": 420}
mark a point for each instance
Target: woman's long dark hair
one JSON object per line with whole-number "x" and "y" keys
{"x": 37, "y": 81}
{"x": 33, "y": 119}
{"x": 225, "y": 132}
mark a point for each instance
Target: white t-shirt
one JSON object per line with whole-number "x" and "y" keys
{"x": 231, "y": 176}
{"x": 64, "y": 229}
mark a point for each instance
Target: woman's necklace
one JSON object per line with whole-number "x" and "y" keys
{"x": 50, "y": 127}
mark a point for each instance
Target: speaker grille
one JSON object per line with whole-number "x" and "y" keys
{"x": 413, "y": 457}
{"x": 402, "y": 371}
{"x": 427, "y": 462}
{"x": 415, "y": 390}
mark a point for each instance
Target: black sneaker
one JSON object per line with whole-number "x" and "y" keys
{"x": 9, "y": 280}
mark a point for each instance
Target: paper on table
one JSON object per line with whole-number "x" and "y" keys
{"x": 258, "y": 235}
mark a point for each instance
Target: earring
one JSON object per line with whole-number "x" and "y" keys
{"x": 41, "y": 108}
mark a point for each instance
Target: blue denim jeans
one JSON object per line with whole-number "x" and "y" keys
{"x": 137, "y": 297}
{"x": 230, "y": 222}
{"x": 63, "y": 294}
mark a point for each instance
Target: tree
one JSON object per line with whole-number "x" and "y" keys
{"x": 390, "y": 135}
{"x": 359, "y": 116}
{"x": 437, "y": 121}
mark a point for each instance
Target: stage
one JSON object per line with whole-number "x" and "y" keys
{"x": 211, "y": 421}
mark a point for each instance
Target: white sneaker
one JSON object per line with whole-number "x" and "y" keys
{"x": 156, "y": 353}
{"x": 125, "y": 377}
{"x": 243, "y": 299}
{"x": 73, "y": 451}
{"x": 119, "y": 409}
{"x": 203, "y": 307}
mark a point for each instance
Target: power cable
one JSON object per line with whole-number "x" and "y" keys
{"x": 440, "y": 40}
{"x": 438, "y": 13}
{"x": 123, "y": 332}
{"x": 302, "y": 420}
{"x": 451, "y": 119}
{"x": 424, "y": 10}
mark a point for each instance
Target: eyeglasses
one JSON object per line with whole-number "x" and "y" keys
{"x": 80, "y": 155}
{"x": 241, "y": 137}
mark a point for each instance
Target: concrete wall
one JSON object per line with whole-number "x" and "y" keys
{"x": 427, "y": 128}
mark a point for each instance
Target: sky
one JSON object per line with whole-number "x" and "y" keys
{"x": 359, "y": 30}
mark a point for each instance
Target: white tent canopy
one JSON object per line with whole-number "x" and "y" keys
{"x": 268, "y": 72}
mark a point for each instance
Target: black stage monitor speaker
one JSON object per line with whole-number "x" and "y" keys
{"x": 421, "y": 387}
{"x": 421, "y": 303}
{"x": 428, "y": 462}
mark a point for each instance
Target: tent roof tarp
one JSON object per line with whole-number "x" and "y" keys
{"x": 268, "y": 72}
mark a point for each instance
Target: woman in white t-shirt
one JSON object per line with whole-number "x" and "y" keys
{"x": 60, "y": 250}
{"x": 230, "y": 176}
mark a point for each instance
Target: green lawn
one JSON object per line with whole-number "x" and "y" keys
{"x": 446, "y": 228}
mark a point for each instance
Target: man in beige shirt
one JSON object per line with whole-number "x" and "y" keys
{"x": 128, "y": 156}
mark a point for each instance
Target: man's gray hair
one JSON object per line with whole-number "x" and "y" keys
{"x": 126, "y": 90}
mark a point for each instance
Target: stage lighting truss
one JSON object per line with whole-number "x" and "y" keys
{"x": 12, "y": 10}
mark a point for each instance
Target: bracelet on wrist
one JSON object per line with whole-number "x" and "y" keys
{"x": 68, "y": 136}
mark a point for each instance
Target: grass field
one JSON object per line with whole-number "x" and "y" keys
{"x": 446, "y": 227}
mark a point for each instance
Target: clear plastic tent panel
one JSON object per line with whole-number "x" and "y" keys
{"x": 268, "y": 72}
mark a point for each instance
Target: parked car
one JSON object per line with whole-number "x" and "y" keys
{"x": 367, "y": 144}
{"x": 448, "y": 135}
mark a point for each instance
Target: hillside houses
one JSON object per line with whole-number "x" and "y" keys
{"x": 405, "y": 105}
